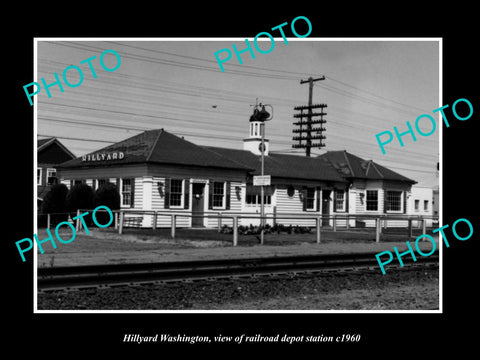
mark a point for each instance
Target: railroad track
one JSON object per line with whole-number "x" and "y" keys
{"x": 76, "y": 277}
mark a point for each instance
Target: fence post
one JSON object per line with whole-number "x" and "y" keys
{"x": 410, "y": 229}
{"x": 334, "y": 223}
{"x": 424, "y": 226}
{"x": 116, "y": 218}
{"x": 219, "y": 221}
{"x": 319, "y": 223}
{"x": 377, "y": 230}
{"x": 155, "y": 220}
{"x": 174, "y": 225}
{"x": 235, "y": 230}
{"x": 348, "y": 221}
{"x": 77, "y": 224}
{"x": 120, "y": 227}
{"x": 48, "y": 221}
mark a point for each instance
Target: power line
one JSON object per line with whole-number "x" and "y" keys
{"x": 183, "y": 64}
{"x": 77, "y": 139}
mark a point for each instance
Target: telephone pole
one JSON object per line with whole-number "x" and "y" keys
{"x": 308, "y": 137}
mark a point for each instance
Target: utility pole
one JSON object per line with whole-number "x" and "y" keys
{"x": 310, "y": 114}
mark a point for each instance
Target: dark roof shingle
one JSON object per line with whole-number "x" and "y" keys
{"x": 282, "y": 165}
{"x": 351, "y": 166}
{"x": 158, "y": 146}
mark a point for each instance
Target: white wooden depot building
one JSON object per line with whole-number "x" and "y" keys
{"x": 158, "y": 171}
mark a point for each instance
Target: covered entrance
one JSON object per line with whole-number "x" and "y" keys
{"x": 198, "y": 204}
{"x": 326, "y": 207}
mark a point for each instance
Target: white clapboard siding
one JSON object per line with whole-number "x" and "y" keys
{"x": 164, "y": 218}
{"x": 158, "y": 193}
{"x": 138, "y": 194}
{"x": 361, "y": 206}
{"x": 292, "y": 205}
{"x": 235, "y": 207}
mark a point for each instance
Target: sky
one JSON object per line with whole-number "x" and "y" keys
{"x": 370, "y": 86}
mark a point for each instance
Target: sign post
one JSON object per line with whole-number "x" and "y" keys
{"x": 262, "y": 115}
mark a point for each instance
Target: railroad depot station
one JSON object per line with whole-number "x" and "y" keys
{"x": 158, "y": 171}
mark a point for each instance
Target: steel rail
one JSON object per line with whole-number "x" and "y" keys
{"x": 74, "y": 277}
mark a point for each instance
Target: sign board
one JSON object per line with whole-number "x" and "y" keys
{"x": 105, "y": 156}
{"x": 262, "y": 180}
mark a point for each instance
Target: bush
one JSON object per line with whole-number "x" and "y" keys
{"x": 106, "y": 195}
{"x": 55, "y": 203}
{"x": 277, "y": 228}
{"x": 80, "y": 196}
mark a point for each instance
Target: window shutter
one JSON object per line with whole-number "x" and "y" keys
{"x": 404, "y": 202}
{"x": 334, "y": 200}
{"x": 304, "y": 193}
{"x": 318, "y": 199}
{"x": 384, "y": 201}
{"x": 117, "y": 183}
{"x": 210, "y": 194}
{"x": 347, "y": 200}
{"x": 186, "y": 194}
{"x": 227, "y": 195}
{"x": 132, "y": 197}
{"x": 166, "y": 199}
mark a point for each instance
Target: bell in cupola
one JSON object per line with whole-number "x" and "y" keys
{"x": 260, "y": 115}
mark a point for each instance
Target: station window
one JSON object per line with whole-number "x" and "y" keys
{"x": 218, "y": 193}
{"x": 417, "y": 205}
{"x": 394, "y": 201}
{"x": 101, "y": 182}
{"x": 39, "y": 176}
{"x": 310, "y": 198}
{"x": 425, "y": 205}
{"x": 339, "y": 200}
{"x": 176, "y": 192}
{"x": 257, "y": 199}
{"x": 51, "y": 175}
{"x": 126, "y": 192}
{"x": 254, "y": 197}
{"x": 372, "y": 200}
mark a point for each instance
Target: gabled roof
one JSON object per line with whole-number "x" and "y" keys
{"x": 281, "y": 165}
{"x": 43, "y": 144}
{"x": 158, "y": 146}
{"x": 351, "y": 166}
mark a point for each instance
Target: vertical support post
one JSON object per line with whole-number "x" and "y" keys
{"x": 377, "y": 230}
{"x": 409, "y": 229}
{"x": 319, "y": 224}
{"x": 219, "y": 221}
{"x": 120, "y": 227}
{"x": 424, "y": 226}
{"x": 173, "y": 225}
{"x": 116, "y": 218}
{"x": 334, "y": 223}
{"x": 48, "y": 221}
{"x": 262, "y": 190}
{"x": 348, "y": 221}
{"x": 77, "y": 224}
{"x": 155, "y": 220}
{"x": 235, "y": 230}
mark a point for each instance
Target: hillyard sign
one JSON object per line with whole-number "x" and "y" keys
{"x": 104, "y": 156}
